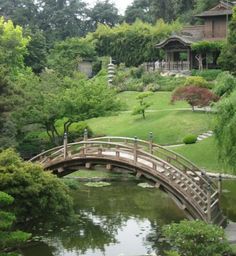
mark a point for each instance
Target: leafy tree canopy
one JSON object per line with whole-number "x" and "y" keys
{"x": 225, "y": 129}
{"x": 227, "y": 59}
{"x": 9, "y": 239}
{"x": 196, "y": 238}
{"x": 66, "y": 55}
{"x": 132, "y": 44}
{"x": 39, "y": 196}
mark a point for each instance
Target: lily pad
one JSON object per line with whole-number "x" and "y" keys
{"x": 145, "y": 185}
{"x": 97, "y": 184}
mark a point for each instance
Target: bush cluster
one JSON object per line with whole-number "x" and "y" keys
{"x": 190, "y": 139}
{"x": 196, "y": 81}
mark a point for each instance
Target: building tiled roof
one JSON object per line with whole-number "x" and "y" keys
{"x": 185, "y": 40}
{"x": 222, "y": 9}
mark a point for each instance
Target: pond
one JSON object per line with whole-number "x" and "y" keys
{"x": 118, "y": 220}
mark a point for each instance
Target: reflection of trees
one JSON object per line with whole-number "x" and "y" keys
{"x": 228, "y": 200}
{"x": 86, "y": 235}
{"x": 104, "y": 210}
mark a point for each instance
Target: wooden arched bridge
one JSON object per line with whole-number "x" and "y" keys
{"x": 192, "y": 190}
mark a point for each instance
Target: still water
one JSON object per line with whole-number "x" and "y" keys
{"x": 119, "y": 220}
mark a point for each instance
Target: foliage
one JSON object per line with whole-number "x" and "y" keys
{"x": 103, "y": 12}
{"x": 228, "y": 54}
{"x": 37, "y": 50}
{"x": 224, "y": 85}
{"x": 195, "y": 96}
{"x": 204, "y": 48}
{"x": 196, "y": 238}
{"x": 196, "y": 81}
{"x": 150, "y": 11}
{"x": 54, "y": 98}
{"x": 132, "y": 44}
{"x": 9, "y": 239}
{"x": 207, "y": 74}
{"x": 190, "y": 139}
{"x": 225, "y": 129}
{"x": 66, "y": 55}
{"x": 39, "y": 196}
{"x": 143, "y": 106}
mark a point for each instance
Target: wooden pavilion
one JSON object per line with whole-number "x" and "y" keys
{"x": 178, "y": 53}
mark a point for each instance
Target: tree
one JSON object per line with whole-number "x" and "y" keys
{"x": 227, "y": 59}
{"x": 203, "y": 5}
{"x": 103, "y": 12}
{"x": 68, "y": 19}
{"x": 132, "y": 44}
{"x": 225, "y": 129}
{"x": 39, "y": 196}
{"x": 37, "y": 50}
{"x": 13, "y": 48}
{"x": 66, "y": 55}
{"x": 205, "y": 48}
{"x": 143, "y": 106}
{"x": 225, "y": 84}
{"x": 151, "y": 10}
{"x": 67, "y": 99}
{"x": 9, "y": 240}
{"x": 196, "y": 238}
{"x": 195, "y": 96}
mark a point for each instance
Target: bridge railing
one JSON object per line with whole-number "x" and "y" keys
{"x": 167, "y": 155}
{"x": 176, "y": 169}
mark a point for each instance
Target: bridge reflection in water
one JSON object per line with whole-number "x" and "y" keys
{"x": 191, "y": 189}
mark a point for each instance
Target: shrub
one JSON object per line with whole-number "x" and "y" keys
{"x": 195, "y": 96}
{"x": 225, "y": 84}
{"x": 207, "y": 74}
{"x": 152, "y": 87}
{"x": 196, "y": 81}
{"x": 137, "y": 72}
{"x": 196, "y": 238}
{"x": 77, "y": 131}
{"x": 190, "y": 139}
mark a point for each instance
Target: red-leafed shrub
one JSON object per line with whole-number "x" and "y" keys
{"x": 195, "y": 96}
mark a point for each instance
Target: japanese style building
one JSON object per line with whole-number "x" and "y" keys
{"x": 178, "y": 53}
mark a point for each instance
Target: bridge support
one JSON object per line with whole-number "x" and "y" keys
{"x": 109, "y": 167}
{"x": 65, "y": 142}
{"x": 88, "y": 165}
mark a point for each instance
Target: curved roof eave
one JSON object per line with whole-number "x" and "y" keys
{"x": 182, "y": 40}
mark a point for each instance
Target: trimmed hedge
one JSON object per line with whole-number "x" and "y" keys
{"x": 190, "y": 139}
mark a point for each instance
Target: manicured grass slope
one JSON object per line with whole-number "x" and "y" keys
{"x": 159, "y": 101}
{"x": 204, "y": 154}
{"x": 168, "y": 127}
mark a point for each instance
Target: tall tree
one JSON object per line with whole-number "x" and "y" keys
{"x": 37, "y": 50}
{"x": 225, "y": 129}
{"x": 227, "y": 59}
{"x": 152, "y": 10}
{"x": 103, "y": 12}
{"x": 60, "y": 19}
{"x": 12, "y": 48}
{"x": 21, "y": 12}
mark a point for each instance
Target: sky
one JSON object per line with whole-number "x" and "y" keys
{"x": 120, "y": 4}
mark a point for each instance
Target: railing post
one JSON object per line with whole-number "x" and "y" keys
{"x": 85, "y": 139}
{"x": 209, "y": 203}
{"x": 135, "y": 149}
{"x": 85, "y": 134}
{"x": 220, "y": 186}
{"x": 65, "y": 142}
{"x": 151, "y": 142}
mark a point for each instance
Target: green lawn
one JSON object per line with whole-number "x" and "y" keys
{"x": 168, "y": 127}
{"x": 159, "y": 100}
{"x": 204, "y": 154}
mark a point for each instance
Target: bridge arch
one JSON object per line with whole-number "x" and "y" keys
{"x": 190, "y": 188}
